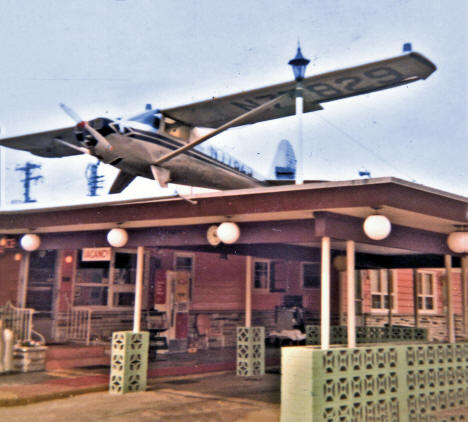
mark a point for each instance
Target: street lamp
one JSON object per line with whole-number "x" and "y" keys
{"x": 299, "y": 64}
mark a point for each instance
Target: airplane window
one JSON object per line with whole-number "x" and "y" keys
{"x": 156, "y": 122}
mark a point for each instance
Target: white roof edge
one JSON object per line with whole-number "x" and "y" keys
{"x": 250, "y": 191}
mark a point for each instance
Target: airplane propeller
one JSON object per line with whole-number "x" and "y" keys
{"x": 83, "y": 124}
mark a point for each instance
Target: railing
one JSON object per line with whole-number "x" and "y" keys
{"x": 19, "y": 320}
{"x": 339, "y": 334}
{"x": 74, "y": 324}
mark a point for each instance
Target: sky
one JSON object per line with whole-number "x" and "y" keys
{"x": 111, "y": 57}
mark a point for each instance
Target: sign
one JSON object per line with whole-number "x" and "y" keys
{"x": 8, "y": 243}
{"x": 160, "y": 288}
{"x": 96, "y": 254}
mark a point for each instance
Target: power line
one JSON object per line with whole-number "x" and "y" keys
{"x": 357, "y": 142}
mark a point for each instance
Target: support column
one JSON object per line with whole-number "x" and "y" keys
{"x": 138, "y": 289}
{"x": 448, "y": 290}
{"x": 129, "y": 360}
{"x": 415, "y": 298}
{"x": 24, "y": 278}
{"x": 248, "y": 292}
{"x": 350, "y": 282}
{"x": 250, "y": 358}
{"x": 299, "y": 113}
{"x": 464, "y": 283}
{"x": 325, "y": 294}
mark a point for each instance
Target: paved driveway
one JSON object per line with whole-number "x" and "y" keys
{"x": 224, "y": 398}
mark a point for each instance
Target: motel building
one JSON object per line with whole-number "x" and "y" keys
{"x": 372, "y": 318}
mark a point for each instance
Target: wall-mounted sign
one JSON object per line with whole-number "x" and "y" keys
{"x": 8, "y": 243}
{"x": 96, "y": 254}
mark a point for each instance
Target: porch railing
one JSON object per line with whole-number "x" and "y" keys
{"x": 19, "y": 320}
{"x": 74, "y": 324}
{"x": 339, "y": 334}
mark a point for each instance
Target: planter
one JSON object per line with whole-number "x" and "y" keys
{"x": 29, "y": 358}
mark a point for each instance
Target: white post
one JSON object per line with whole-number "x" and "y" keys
{"x": 448, "y": 289}
{"x": 464, "y": 282}
{"x": 24, "y": 277}
{"x": 2, "y": 174}
{"x": 248, "y": 292}
{"x": 299, "y": 112}
{"x": 325, "y": 294}
{"x": 350, "y": 268}
{"x": 138, "y": 289}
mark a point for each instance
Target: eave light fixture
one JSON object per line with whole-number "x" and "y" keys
{"x": 228, "y": 232}
{"x": 30, "y": 242}
{"x": 117, "y": 237}
{"x": 377, "y": 227}
{"x": 457, "y": 241}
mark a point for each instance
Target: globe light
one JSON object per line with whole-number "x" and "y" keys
{"x": 30, "y": 242}
{"x": 458, "y": 241}
{"x": 228, "y": 232}
{"x": 117, "y": 238}
{"x": 377, "y": 227}
{"x": 339, "y": 262}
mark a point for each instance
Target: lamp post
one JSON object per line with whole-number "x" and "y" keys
{"x": 299, "y": 64}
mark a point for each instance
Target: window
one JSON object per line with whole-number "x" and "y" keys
{"x": 382, "y": 289}
{"x": 106, "y": 283}
{"x": 92, "y": 283}
{"x": 311, "y": 275}
{"x": 185, "y": 262}
{"x": 41, "y": 280}
{"x": 426, "y": 290}
{"x": 270, "y": 275}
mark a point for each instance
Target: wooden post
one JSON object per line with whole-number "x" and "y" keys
{"x": 415, "y": 297}
{"x": 325, "y": 294}
{"x": 448, "y": 289}
{"x": 389, "y": 277}
{"x": 350, "y": 268}
{"x": 248, "y": 292}
{"x": 464, "y": 283}
{"x": 138, "y": 289}
{"x": 24, "y": 278}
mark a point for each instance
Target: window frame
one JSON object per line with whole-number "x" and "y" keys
{"x": 392, "y": 275}
{"x": 433, "y": 275}
{"x": 303, "y": 264}
{"x": 268, "y": 277}
{"x": 112, "y": 287}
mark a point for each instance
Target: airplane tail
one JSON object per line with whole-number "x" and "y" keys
{"x": 284, "y": 162}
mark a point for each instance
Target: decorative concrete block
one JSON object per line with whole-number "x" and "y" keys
{"x": 250, "y": 351}
{"x": 395, "y": 383}
{"x": 129, "y": 362}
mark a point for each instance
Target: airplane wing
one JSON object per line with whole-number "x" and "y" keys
{"x": 317, "y": 89}
{"x": 44, "y": 143}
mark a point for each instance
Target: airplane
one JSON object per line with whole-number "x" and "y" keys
{"x": 163, "y": 144}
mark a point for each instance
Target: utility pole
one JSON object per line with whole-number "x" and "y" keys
{"x": 2, "y": 172}
{"x": 28, "y": 169}
{"x": 95, "y": 180}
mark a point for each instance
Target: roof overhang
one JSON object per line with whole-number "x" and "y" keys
{"x": 296, "y": 215}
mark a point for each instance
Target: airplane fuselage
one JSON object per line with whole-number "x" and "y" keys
{"x": 135, "y": 150}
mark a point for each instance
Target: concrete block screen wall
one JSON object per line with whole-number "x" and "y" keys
{"x": 395, "y": 383}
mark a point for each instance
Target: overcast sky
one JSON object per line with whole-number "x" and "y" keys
{"x": 110, "y": 57}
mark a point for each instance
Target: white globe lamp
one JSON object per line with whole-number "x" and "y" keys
{"x": 339, "y": 263}
{"x": 377, "y": 227}
{"x": 458, "y": 241}
{"x": 30, "y": 242}
{"x": 228, "y": 232}
{"x": 117, "y": 238}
